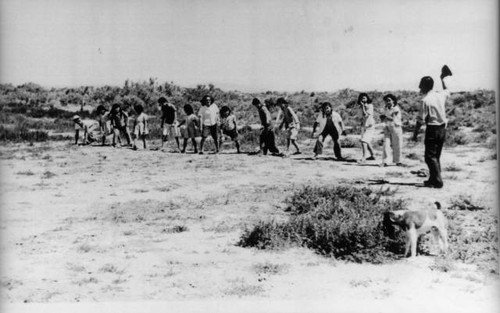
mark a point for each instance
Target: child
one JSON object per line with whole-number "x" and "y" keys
{"x": 330, "y": 124}
{"x": 209, "y": 120}
{"x": 393, "y": 130}
{"x": 191, "y": 129}
{"x": 104, "y": 122}
{"x": 119, "y": 123}
{"x": 91, "y": 130}
{"x": 169, "y": 124}
{"x": 291, "y": 124}
{"x": 228, "y": 126}
{"x": 140, "y": 126}
{"x": 368, "y": 126}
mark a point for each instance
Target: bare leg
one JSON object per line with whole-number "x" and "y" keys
{"x": 178, "y": 144}
{"x": 370, "y": 149}
{"x": 201, "y": 144}
{"x": 194, "y": 145}
{"x": 184, "y": 145}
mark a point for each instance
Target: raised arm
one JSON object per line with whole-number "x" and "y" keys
{"x": 445, "y": 72}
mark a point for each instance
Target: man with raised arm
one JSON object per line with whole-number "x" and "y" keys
{"x": 432, "y": 113}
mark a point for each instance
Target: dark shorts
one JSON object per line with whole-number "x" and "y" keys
{"x": 233, "y": 134}
{"x": 209, "y": 130}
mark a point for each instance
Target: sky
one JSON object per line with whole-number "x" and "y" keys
{"x": 250, "y": 45}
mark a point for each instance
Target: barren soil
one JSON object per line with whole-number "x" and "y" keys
{"x": 94, "y": 224}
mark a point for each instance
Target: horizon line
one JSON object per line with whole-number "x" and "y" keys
{"x": 228, "y": 89}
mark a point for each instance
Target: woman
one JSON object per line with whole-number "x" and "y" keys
{"x": 330, "y": 124}
{"x": 368, "y": 127}
{"x": 393, "y": 130}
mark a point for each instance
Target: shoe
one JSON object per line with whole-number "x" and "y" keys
{"x": 383, "y": 164}
{"x": 201, "y": 152}
{"x": 399, "y": 164}
{"x": 433, "y": 185}
{"x": 372, "y": 158}
{"x": 297, "y": 153}
{"x": 362, "y": 161}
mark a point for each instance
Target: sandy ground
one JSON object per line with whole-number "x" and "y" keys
{"x": 137, "y": 230}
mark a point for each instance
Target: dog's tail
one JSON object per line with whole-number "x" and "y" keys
{"x": 438, "y": 205}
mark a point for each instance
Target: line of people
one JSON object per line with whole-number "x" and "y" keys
{"x": 213, "y": 122}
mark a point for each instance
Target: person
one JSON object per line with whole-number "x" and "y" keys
{"x": 393, "y": 131}
{"x": 119, "y": 123}
{"x": 104, "y": 122}
{"x": 209, "y": 117}
{"x": 140, "y": 126}
{"x": 168, "y": 123}
{"x": 290, "y": 122}
{"x": 368, "y": 126}
{"x": 266, "y": 138}
{"x": 91, "y": 130}
{"x": 190, "y": 128}
{"x": 229, "y": 127}
{"x": 330, "y": 124}
{"x": 432, "y": 114}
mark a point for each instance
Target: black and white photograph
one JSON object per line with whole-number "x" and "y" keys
{"x": 249, "y": 156}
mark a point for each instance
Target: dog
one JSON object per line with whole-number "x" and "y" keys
{"x": 416, "y": 223}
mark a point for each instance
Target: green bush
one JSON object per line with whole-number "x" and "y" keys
{"x": 340, "y": 221}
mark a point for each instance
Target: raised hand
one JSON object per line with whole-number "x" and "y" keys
{"x": 445, "y": 71}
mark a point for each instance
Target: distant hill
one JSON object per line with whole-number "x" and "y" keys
{"x": 475, "y": 109}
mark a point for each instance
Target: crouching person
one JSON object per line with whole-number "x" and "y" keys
{"x": 330, "y": 124}
{"x": 91, "y": 130}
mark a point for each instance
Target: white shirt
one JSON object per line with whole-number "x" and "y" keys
{"x": 88, "y": 125}
{"x": 337, "y": 121}
{"x": 432, "y": 108}
{"x": 209, "y": 116}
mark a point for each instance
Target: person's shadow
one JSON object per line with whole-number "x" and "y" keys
{"x": 386, "y": 182}
{"x": 324, "y": 159}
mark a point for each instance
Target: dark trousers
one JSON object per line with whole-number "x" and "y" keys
{"x": 318, "y": 148}
{"x": 267, "y": 142}
{"x": 434, "y": 140}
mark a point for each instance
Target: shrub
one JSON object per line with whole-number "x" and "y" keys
{"x": 474, "y": 243}
{"x": 341, "y": 221}
{"x": 21, "y": 133}
{"x": 465, "y": 202}
{"x": 455, "y": 137}
{"x": 349, "y": 142}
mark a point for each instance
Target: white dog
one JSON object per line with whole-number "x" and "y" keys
{"x": 415, "y": 223}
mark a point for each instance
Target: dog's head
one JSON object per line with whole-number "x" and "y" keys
{"x": 391, "y": 219}
{"x": 388, "y": 225}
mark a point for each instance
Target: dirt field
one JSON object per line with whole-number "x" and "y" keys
{"x": 96, "y": 224}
